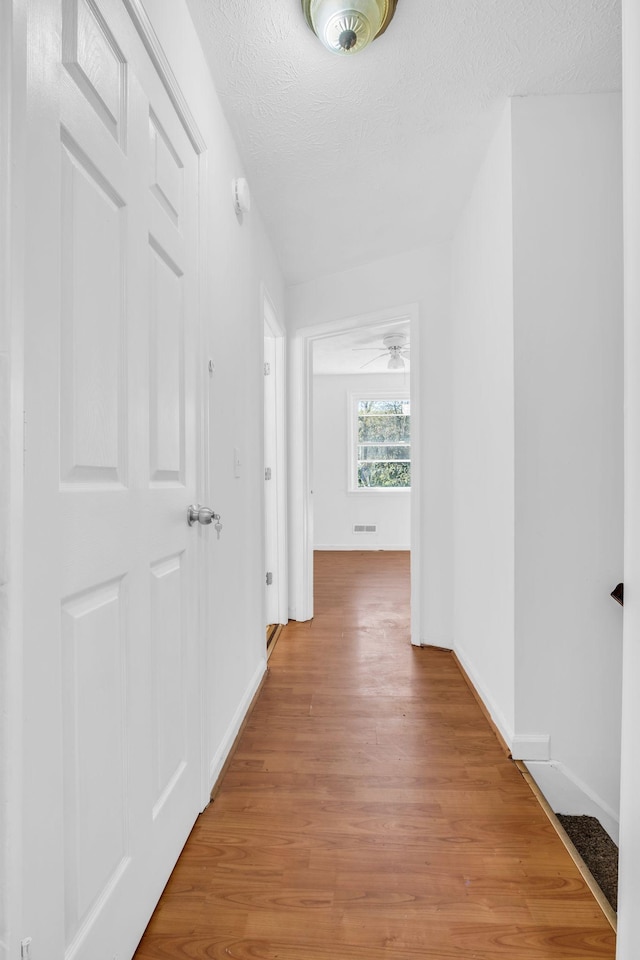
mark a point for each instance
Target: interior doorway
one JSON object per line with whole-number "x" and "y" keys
{"x": 275, "y": 487}
{"x": 302, "y": 518}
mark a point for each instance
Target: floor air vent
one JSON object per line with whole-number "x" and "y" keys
{"x": 365, "y": 528}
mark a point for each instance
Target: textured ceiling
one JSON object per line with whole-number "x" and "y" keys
{"x": 355, "y": 158}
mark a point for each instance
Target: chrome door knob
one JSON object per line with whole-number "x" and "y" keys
{"x": 198, "y": 514}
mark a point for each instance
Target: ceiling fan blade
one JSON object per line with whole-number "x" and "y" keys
{"x": 357, "y": 349}
{"x": 373, "y": 359}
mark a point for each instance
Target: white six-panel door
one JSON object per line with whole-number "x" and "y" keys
{"x": 112, "y": 724}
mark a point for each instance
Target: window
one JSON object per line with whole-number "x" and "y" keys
{"x": 382, "y": 446}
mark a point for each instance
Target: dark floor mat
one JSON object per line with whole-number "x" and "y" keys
{"x": 598, "y": 851}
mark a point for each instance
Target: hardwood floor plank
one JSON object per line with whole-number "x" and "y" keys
{"x": 369, "y": 812}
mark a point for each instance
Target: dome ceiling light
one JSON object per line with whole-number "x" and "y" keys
{"x": 348, "y": 27}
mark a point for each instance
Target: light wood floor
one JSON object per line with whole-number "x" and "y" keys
{"x": 369, "y": 812}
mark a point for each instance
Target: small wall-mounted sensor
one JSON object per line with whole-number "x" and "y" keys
{"x": 241, "y": 196}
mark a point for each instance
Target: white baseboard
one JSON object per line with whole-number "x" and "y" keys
{"x": 567, "y": 793}
{"x": 362, "y": 546}
{"x": 221, "y": 754}
{"x": 494, "y": 710}
{"x": 440, "y": 642}
{"x": 533, "y": 746}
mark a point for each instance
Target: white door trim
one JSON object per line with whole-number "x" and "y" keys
{"x": 204, "y": 559}
{"x": 300, "y": 459}
{"x": 300, "y": 490}
{"x": 272, "y": 322}
{"x": 13, "y": 57}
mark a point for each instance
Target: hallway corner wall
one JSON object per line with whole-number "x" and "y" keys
{"x": 538, "y": 441}
{"x": 567, "y": 195}
{"x": 483, "y": 433}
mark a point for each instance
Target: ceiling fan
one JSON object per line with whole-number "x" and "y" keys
{"x": 396, "y": 348}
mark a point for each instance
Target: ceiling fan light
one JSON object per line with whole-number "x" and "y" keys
{"x": 348, "y": 27}
{"x": 395, "y": 363}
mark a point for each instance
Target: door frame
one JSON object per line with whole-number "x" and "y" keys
{"x": 271, "y": 322}
{"x": 301, "y": 451}
{"x": 13, "y": 86}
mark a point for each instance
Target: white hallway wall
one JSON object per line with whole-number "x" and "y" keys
{"x": 540, "y": 243}
{"x": 336, "y": 508}
{"x": 241, "y": 259}
{"x": 483, "y": 432}
{"x": 420, "y": 276}
{"x": 629, "y": 868}
{"x": 567, "y": 178}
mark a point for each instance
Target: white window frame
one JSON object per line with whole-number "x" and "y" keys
{"x": 354, "y": 398}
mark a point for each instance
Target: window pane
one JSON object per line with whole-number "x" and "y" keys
{"x": 383, "y": 445}
{"x": 388, "y": 452}
{"x": 384, "y": 429}
{"x": 383, "y": 406}
{"x": 384, "y": 474}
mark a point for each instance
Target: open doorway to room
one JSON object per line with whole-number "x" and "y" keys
{"x": 355, "y": 463}
{"x": 275, "y": 488}
{"x": 361, "y": 439}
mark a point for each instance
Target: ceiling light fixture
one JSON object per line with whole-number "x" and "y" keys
{"x": 347, "y": 27}
{"x": 396, "y": 348}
